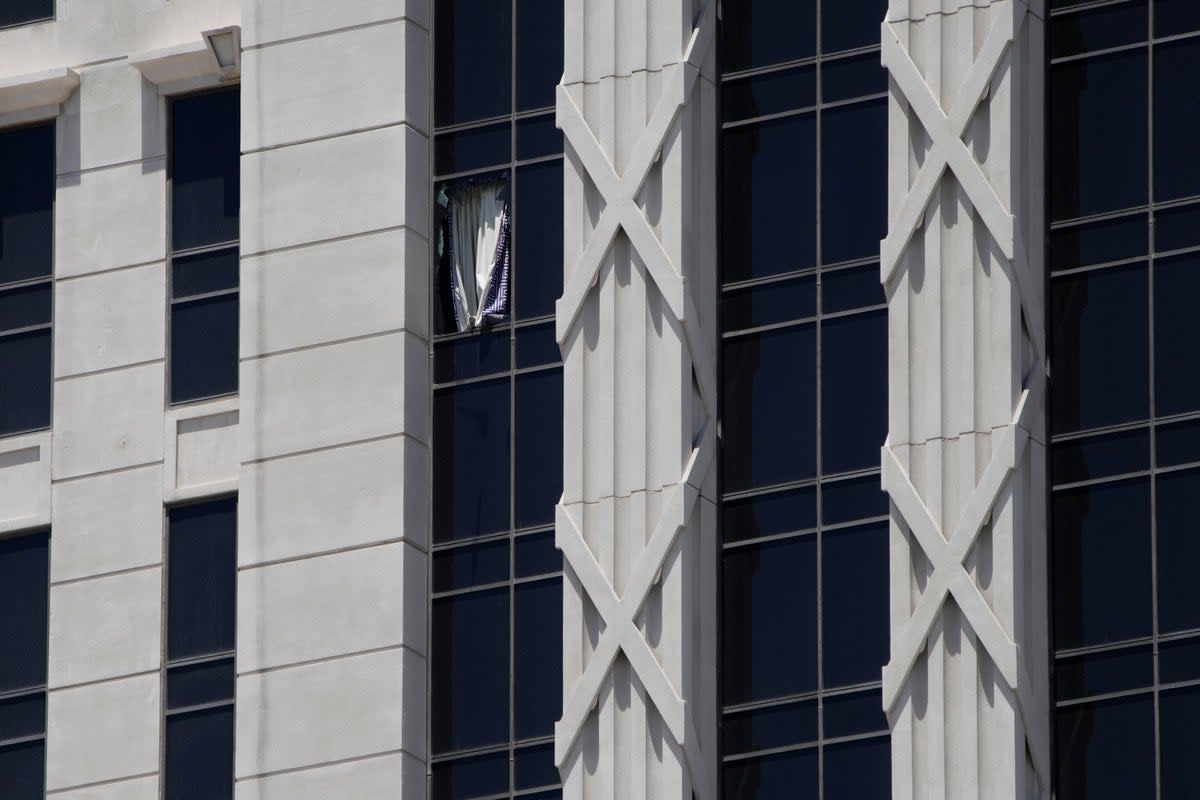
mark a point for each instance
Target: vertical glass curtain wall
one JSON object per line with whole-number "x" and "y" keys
{"x": 1125, "y": 403}
{"x": 804, "y": 398}
{"x": 26, "y": 277}
{"x": 496, "y": 616}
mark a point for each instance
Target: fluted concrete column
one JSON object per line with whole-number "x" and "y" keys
{"x": 966, "y": 687}
{"x": 637, "y": 327}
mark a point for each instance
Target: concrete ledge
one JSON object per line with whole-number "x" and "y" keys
{"x": 192, "y": 65}
{"x": 26, "y": 98}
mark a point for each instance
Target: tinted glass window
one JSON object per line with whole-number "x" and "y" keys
{"x": 854, "y": 574}
{"x": 1176, "y": 331}
{"x": 1179, "y": 710}
{"x": 853, "y": 181}
{"x": 1106, "y": 749}
{"x": 847, "y": 24}
{"x": 859, "y": 770}
{"x": 1178, "y": 551}
{"x": 538, "y": 244}
{"x": 472, "y": 40}
{"x": 768, "y": 32}
{"x": 773, "y": 777}
{"x": 1176, "y": 120}
{"x": 471, "y": 467}
{"x": 24, "y": 597}
{"x": 201, "y": 579}
{"x": 539, "y": 447}
{"x": 853, "y": 391}
{"x": 470, "y": 670}
{"x": 540, "y": 56}
{"x": 204, "y": 347}
{"x": 205, "y": 173}
{"x": 23, "y": 768}
{"x": 26, "y": 200}
{"x": 538, "y": 657}
{"x": 199, "y": 757}
{"x": 25, "y": 360}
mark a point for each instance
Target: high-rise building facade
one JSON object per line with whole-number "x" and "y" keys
{"x": 599, "y": 399}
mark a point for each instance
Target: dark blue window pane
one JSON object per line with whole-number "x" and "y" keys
{"x": 201, "y": 579}
{"x": 537, "y": 137}
{"x": 785, "y": 776}
{"x": 204, "y": 347}
{"x": 472, "y": 357}
{"x": 26, "y": 200}
{"x": 1100, "y": 456}
{"x": 770, "y": 620}
{"x": 464, "y": 778}
{"x": 770, "y": 408}
{"x": 1178, "y": 443}
{"x": 1178, "y": 551}
{"x": 769, "y": 303}
{"x": 539, "y": 447}
{"x": 204, "y": 272}
{"x": 848, "y": 500}
{"x": 1179, "y": 660}
{"x": 1099, "y": 242}
{"x": 24, "y": 768}
{"x": 24, "y": 598}
{"x": 1176, "y": 16}
{"x": 470, "y": 465}
{"x": 539, "y": 52}
{"x": 859, "y": 770}
{"x": 772, "y": 93}
{"x": 23, "y": 716}
{"x": 536, "y": 346}
{"x": 1101, "y": 673}
{"x": 854, "y": 714}
{"x": 1179, "y": 710}
{"x": 1106, "y": 750}
{"x": 769, "y": 207}
{"x": 19, "y": 12}
{"x": 470, "y": 670}
{"x": 538, "y": 242}
{"x": 475, "y": 565}
{"x": 1176, "y": 331}
{"x": 846, "y": 24}
{"x": 768, "y": 728}
{"x": 769, "y": 514}
{"x": 1177, "y": 228}
{"x": 474, "y": 148}
{"x": 855, "y": 604}
{"x": 197, "y": 684}
{"x": 767, "y": 32}
{"x": 847, "y": 78}
{"x": 538, "y": 667}
{"x": 1100, "y": 346}
{"x": 1176, "y": 120}
{"x": 205, "y": 172}
{"x": 199, "y": 758}
{"x": 854, "y": 181}
{"x": 25, "y": 360}
{"x": 24, "y": 307}
{"x": 1098, "y": 29}
{"x": 853, "y": 391}
{"x": 534, "y": 767}
{"x": 1102, "y": 564}
{"x": 537, "y": 555}
{"x": 1098, "y": 152}
{"x": 848, "y": 289}
{"x": 473, "y": 69}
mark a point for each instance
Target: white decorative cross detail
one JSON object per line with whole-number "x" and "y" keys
{"x": 948, "y": 150}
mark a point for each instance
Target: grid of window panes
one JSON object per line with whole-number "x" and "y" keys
{"x": 23, "y": 12}
{"x": 804, "y": 397}
{"x": 201, "y": 618}
{"x": 1125, "y": 402}
{"x": 496, "y": 616}
{"x": 24, "y": 608}
{"x": 205, "y": 197}
{"x": 26, "y": 282}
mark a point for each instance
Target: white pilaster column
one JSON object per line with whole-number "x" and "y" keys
{"x": 966, "y": 687}
{"x": 637, "y": 325}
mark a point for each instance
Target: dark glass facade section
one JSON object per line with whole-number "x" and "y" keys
{"x": 22, "y": 12}
{"x": 24, "y": 621}
{"x": 804, "y": 615}
{"x": 201, "y": 612}
{"x": 26, "y": 264}
{"x": 1125, "y": 397}
{"x": 205, "y": 155}
{"x": 496, "y": 618}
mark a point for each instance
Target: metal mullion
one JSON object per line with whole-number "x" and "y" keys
{"x": 774, "y": 326}
{"x": 1105, "y": 647}
{"x": 759, "y": 491}
{"x": 1153, "y": 376}
{"x": 818, "y": 383}
{"x": 1087, "y": 433}
{"x": 20, "y": 740}
{"x": 1056, "y": 226}
{"x": 519, "y": 371}
{"x": 473, "y": 589}
{"x": 41, "y": 326}
{"x": 1123, "y": 262}
{"x": 174, "y": 712}
{"x": 850, "y": 101}
{"x": 765, "y": 280}
{"x": 1107, "y": 51}
{"x": 512, "y": 401}
{"x": 1178, "y": 636}
{"x": 742, "y": 544}
{"x": 14, "y": 694}
{"x": 1079, "y": 701}
{"x": 1172, "y": 686}
{"x": 192, "y": 298}
{"x": 26, "y": 283}
{"x": 514, "y": 115}
{"x": 491, "y": 376}
{"x": 856, "y": 737}
{"x": 471, "y": 752}
{"x": 458, "y": 336}
{"x": 815, "y": 744}
{"x": 462, "y": 544}
{"x": 791, "y": 112}
{"x": 216, "y": 247}
{"x": 1107, "y": 479}
{"x": 471, "y": 173}
{"x": 207, "y": 658}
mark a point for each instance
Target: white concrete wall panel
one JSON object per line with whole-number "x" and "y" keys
{"x": 266, "y": 21}
{"x": 25, "y": 481}
{"x": 108, "y": 420}
{"x": 327, "y": 85}
{"x": 280, "y": 605}
{"x": 131, "y": 789}
{"x": 395, "y": 775}
{"x": 102, "y": 732}
{"x": 206, "y": 450}
{"x": 315, "y": 294}
{"x": 334, "y": 188}
{"x": 335, "y": 710}
{"x": 111, "y": 217}
{"x": 112, "y": 119}
{"x": 637, "y": 326}
{"x": 110, "y": 320}
{"x": 105, "y": 627}
{"x": 966, "y": 688}
{"x": 107, "y": 523}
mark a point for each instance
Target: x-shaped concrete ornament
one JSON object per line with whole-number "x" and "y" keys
{"x": 950, "y": 577}
{"x": 946, "y": 131}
